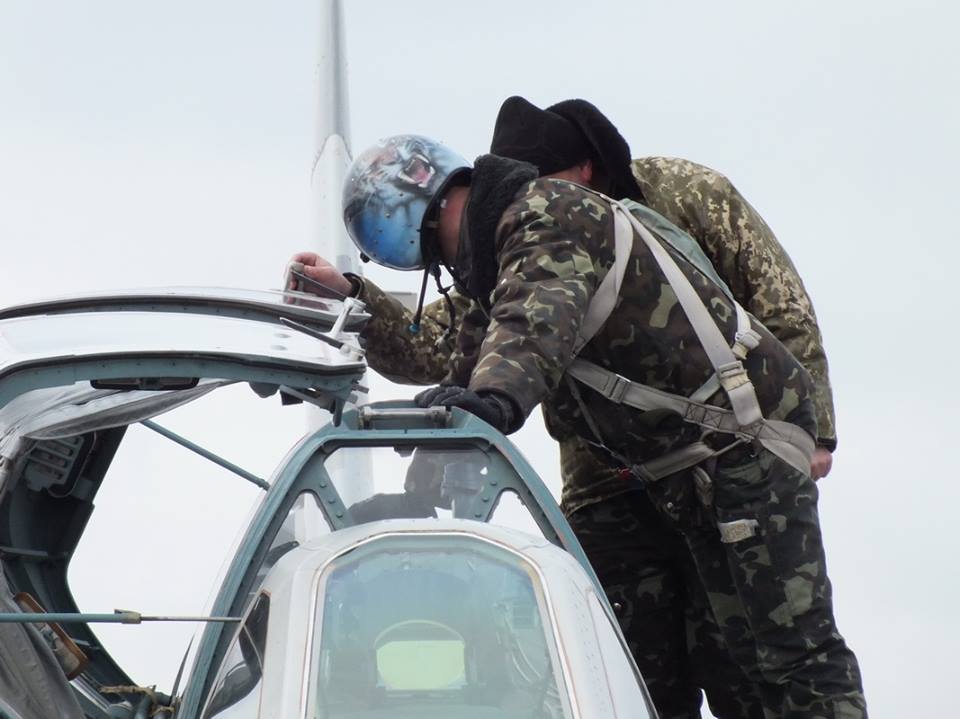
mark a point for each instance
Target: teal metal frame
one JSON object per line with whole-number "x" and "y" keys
{"x": 206, "y": 453}
{"x": 300, "y": 308}
{"x": 303, "y": 471}
{"x": 27, "y": 376}
{"x": 43, "y": 573}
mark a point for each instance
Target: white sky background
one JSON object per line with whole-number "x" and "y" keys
{"x": 157, "y": 144}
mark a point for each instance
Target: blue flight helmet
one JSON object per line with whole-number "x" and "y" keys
{"x": 390, "y": 189}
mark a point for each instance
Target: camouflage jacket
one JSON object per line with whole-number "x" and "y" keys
{"x": 744, "y": 251}
{"x": 748, "y": 257}
{"x": 394, "y": 351}
{"x": 555, "y": 244}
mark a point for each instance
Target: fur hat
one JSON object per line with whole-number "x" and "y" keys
{"x": 561, "y": 136}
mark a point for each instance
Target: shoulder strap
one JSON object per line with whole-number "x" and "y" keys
{"x": 787, "y": 441}
{"x": 730, "y": 373}
{"x": 679, "y": 240}
{"x": 605, "y": 298}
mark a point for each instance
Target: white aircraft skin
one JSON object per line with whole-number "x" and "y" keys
{"x": 582, "y": 636}
{"x": 365, "y": 579}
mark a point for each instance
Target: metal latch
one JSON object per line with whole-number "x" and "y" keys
{"x": 404, "y": 418}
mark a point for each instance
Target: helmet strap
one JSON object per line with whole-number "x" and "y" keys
{"x": 445, "y": 291}
{"x": 434, "y": 269}
{"x": 415, "y": 325}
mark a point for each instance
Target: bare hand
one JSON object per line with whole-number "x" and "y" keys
{"x": 317, "y": 268}
{"x": 820, "y": 463}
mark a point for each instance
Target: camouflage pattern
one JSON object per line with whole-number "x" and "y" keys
{"x": 394, "y": 350}
{"x": 769, "y": 592}
{"x": 734, "y": 236}
{"x": 727, "y": 228}
{"x": 651, "y": 581}
{"x": 555, "y": 245}
{"x": 767, "y": 586}
{"x": 748, "y": 257}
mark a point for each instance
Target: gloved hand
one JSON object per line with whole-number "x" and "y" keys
{"x": 492, "y": 407}
{"x": 425, "y": 398}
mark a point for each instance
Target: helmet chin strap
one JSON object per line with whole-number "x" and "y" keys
{"x": 434, "y": 269}
{"x": 430, "y": 249}
{"x": 415, "y": 325}
{"x": 445, "y": 291}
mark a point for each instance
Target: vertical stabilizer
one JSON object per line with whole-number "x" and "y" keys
{"x": 331, "y": 141}
{"x": 331, "y": 160}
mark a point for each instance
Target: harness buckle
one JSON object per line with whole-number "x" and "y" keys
{"x": 732, "y": 375}
{"x": 743, "y": 342}
{"x": 615, "y": 387}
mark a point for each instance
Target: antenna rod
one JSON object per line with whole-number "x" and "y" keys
{"x": 120, "y": 616}
{"x": 205, "y": 453}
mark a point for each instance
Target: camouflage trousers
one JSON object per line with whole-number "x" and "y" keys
{"x": 651, "y": 579}
{"x": 756, "y": 544}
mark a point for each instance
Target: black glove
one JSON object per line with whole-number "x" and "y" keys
{"x": 492, "y": 407}
{"x": 426, "y": 398}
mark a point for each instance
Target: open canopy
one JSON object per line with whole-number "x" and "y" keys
{"x": 74, "y": 373}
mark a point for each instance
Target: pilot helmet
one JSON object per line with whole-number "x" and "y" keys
{"x": 390, "y": 198}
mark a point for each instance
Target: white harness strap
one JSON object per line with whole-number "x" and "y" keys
{"x": 745, "y": 340}
{"x": 605, "y": 298}
{"x": 787, "y": 441}
{"x": 729, "y": 369}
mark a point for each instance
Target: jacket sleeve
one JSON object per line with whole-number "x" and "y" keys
{"x": 748, "y": 257}
{"x": 470, "y": 335}
{"x": 396, "y": 352}
{"x": 547, "y": 276}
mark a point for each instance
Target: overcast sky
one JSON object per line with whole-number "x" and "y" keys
{"x": 171, "y": 143}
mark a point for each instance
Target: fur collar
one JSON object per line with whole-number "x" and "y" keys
{"x": 493, "y": 187}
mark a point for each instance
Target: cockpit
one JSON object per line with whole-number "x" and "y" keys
{"x": 407, "y": 625}
{"x": 417, "y": 573}
{"x": 449, "y": 627}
